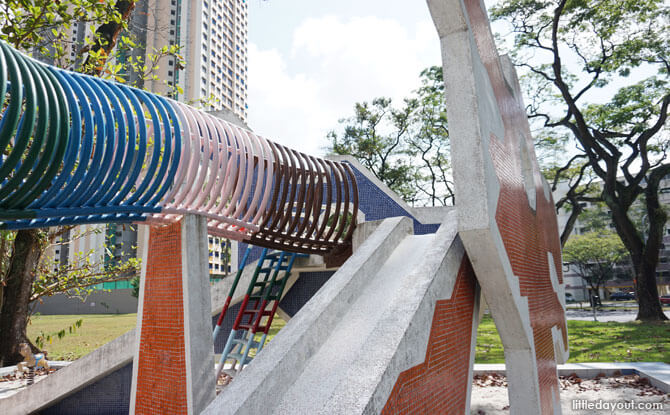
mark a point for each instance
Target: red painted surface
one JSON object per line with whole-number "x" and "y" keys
{"x": 161, "y": 376}
{"x": 439, "y": 385}
{"x": 527, "y": 235}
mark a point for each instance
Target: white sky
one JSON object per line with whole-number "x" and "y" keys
{"x": 310, "y": 61}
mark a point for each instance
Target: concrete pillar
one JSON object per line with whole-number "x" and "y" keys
{"x": 173, "y": 369}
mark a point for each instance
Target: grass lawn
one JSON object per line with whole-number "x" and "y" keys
{"x": 592, "y": 342}
{"x": 277, "y": 324}
{"x": 95, "y": 331}
{"x": 589, "y": 341}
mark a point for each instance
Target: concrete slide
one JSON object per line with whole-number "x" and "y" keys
{"x": 344, "y": 350}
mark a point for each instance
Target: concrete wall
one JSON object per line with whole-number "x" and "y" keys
{"x": 72, "y": 382}
{"x": 174, "y": 352}
{"x": 305, "y": 287}
{"x": 113, "y": 302}
{"x": 108, "y": 396}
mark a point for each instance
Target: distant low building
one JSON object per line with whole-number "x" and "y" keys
{"x": 623, "y": 280}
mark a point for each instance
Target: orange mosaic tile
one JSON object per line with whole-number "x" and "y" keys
{"x": 161, "y": 376}
{"x": 439, "y": 385}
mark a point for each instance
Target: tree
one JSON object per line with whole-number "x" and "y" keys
{"x": 40, "y": 26}
{"x": 594, "y": 256}
{"x": 577, "y": 195}
{"x": 406, "y": 148}
{"x": 32, "y": 275}
{"x": 106, "y": 36}
{"x": 77, "y": 276}
{"x": 380, "y": 152}
{"x": 622, "y": 142}
{"x": 430, "y": 140}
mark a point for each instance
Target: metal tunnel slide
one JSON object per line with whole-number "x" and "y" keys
{"x": 79, "y": 149}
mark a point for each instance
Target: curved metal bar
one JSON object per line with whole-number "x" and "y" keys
{"x": 78, "y": 149}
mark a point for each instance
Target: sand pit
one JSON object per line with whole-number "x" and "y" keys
{"x": 631, "y": 393}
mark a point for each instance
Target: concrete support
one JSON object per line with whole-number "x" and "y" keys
{"x": 173, "y": 371}
{"x": 506, "y": 217}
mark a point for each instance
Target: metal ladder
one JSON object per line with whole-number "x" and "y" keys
{"x": 261, "y": 300}
{"x": 243, "y": 264}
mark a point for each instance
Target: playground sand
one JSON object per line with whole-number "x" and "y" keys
{"x": 489, "y": 395}
{"x": 11, "y": 384}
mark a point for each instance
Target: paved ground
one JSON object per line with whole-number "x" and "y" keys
{"x": 619, "y": 316}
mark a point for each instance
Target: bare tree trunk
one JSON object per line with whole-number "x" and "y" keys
{"x": 646, "y": 287}
{"x": 570, "y": 224}
{"x": 644, "y": 254}
{"x": 14, "y": 313}
{"x": 106, "y": 37}
{"x": 650, "y": 308}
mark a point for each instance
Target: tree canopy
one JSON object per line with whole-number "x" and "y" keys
{"x": 597, "y": 84}
{"x": 407, "y": 148}
{"x": 594, "y": 256}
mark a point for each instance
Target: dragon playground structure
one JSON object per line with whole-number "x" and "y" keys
{"x": 391, "y": 329}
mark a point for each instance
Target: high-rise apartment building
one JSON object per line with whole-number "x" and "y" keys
{"x": 212, "y": 35}
{"x": 212, "y": 40}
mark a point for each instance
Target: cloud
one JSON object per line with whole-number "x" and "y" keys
{"x": 297, "y": 96}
